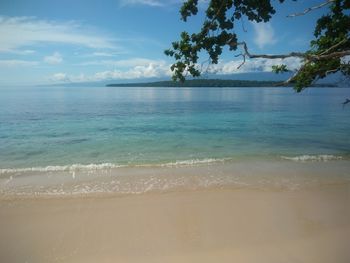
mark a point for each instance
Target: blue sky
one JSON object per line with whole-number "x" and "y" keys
{"x": 47, "y": 42}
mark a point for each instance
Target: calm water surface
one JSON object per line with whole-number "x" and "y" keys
{"x": 130, "y": 126}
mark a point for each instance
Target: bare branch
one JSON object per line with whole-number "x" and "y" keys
{"x": 282, "y": 56}
{"x": 205, "y": 63}
{"x": 335, "y": 46}
{"x": 338, "y": 54}
{"x": 306, "y": 56}
{"x": 307, "y": 10}
{"x": 331, "y": 71}
{"x": 243, "y": 56}
{"x": 311, "y": 57}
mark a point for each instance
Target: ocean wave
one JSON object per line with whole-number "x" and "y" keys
{"x": 107, "y": 166}
{"x": 62, "y": 168}
{"x": 313, "y": 158}
{"x": 195, "y": 162}
{"x": 79, "y": 179}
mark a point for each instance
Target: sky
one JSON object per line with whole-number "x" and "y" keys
{"x": 66, "y": 41}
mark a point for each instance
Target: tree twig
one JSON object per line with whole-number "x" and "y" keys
{"x": 291, "y": 78}
{"x": 306, "y": 56}
{"x": 311, "y": 57}
{"x": 331, "y": 71}
{"x": 307, "y": 10}
{"x": 338, "y": 54}
{"x": 335, "y": 46}
{"x": 240, "y": 65}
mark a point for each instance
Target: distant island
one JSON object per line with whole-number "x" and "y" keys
{"x": 220, "y": 83}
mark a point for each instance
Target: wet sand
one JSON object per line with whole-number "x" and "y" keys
{"x": 210, "y": 225}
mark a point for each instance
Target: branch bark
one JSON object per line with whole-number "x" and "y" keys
{"x": 307, "y": 10}
{"x": 335, "y": 46}
{"x": 311, "y": 57}
{"x": 308, "y": 57}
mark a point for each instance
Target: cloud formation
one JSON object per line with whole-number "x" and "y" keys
{"x": 102, "y": 54}
{"x": 128, "y": 69}
{"x": 123, "y": 63}
{"x": 60, "y": 77}
{"x": 19, "y": 32}
{"x": 253, "y": 65}
{"x": 264, "y": 34}
{"x": 142, "y": 2}
{"x": 138, "y": 68}
{"x": 155, "y": 3}
{"x": 11, "y": 63}
{"x": 55, "y": 58}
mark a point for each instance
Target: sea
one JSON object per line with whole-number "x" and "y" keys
{"x": 86, "y": 132}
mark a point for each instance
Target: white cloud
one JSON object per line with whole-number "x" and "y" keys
{"x": 345, "y": 60}
{"x": 60, "y": 77}
{"x": 145, "y": 71}
{"x": 156, "y": 3}
{"x": 132, "y": 69}
{"x": 138, "y": 68}
{"x": 102, "y": 54}
{"x": 253, "y": 65}
{"x": 18, "y": 32}
{"x": 22, "y": 52}
{"x": 55, "y": 58}
{"x": 142, "y": 2}
{"x": 124, "y": 63}
{"x": 17, "y": 63}
{"x": 264, "y": 34}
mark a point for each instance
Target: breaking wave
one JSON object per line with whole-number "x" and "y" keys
{"x": 313, "y": 158}
{"x": 108, "y": 166}
{"x": 80, "y": 179}
{"x": 62, "y": 168}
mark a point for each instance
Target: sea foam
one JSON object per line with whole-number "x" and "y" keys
{"x": 106, "y": 166}
{"x": 194, "y": 174}
{"x": 313, "y": 158}
{"x": 62, "y": 168}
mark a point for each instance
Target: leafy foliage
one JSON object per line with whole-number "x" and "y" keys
{"x": 331, "y": 31}
{"x": 331, "y": 37}
{"x": 279, "y": 68}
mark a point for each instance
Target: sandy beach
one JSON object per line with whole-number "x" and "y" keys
{"x": 167, "y": 131}
{"x": 162, "y": 175}
{"x": 212, "y": 225}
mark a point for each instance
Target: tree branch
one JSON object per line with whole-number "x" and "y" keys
{"x": 335, "y": 46}
{"x": 306, "y": 56}
{"x": 240, "y": 65}
{"x": 331, "y": 71}
{"x": 338, "y": 54}
{"x": 307, "y": 10}
{"x": 291, "y": 78}
{"x": 311, "y": 57}
{"x": 282, "y": 56}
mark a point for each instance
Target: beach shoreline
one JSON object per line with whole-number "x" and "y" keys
{"x": 246, "y": 211}
{"x": 222, "y": 225}
{"x": 103, "y": 179}
{"x": 256, "y": 210}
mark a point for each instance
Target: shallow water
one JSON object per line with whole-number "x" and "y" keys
{"x": 62, "y": 140}
{"x": 60, "y": 126}
{"x": 263, "y": 175}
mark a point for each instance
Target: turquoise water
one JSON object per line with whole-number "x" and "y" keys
{"x": 49, "y": 126}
